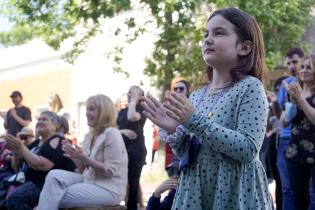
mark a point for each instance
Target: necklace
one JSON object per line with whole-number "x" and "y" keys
{"x": 215, "y": 96}
{"x": 220, "y": 88}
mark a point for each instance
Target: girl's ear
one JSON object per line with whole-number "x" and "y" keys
{"x": 246, "y": 48}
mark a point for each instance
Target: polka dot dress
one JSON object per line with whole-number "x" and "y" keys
{"x": 228, "y": 174}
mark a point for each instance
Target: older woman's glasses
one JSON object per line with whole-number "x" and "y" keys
{"x": 179, "y": 89}
{"x": 23, "y": 138}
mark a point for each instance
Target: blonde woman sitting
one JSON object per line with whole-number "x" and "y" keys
{"x": 102, "y": 163}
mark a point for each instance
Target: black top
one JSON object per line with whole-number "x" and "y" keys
{"x": 13, "y": 126}
{"x": 54, "y": 155}
{"x": 135, "y": 147}
{"x": 301, "y": 148}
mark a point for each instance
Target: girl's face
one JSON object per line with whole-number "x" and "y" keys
{"x": 220, "y": 47}
{"x": 92, "y": 113}
{"x": 307, "y": 73}
{"x": 45, "y": 125}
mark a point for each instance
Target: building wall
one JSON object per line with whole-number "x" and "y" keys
{"x": 92, "y": 73}
{"x": 36, "y": 88}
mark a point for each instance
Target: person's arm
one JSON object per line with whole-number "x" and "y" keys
{"x": 295, "y": 91}
{"x": 112, "y": 155}
{"x": 135, "y": 95}
{"x": 114, "y": 152}
{"x": 128, "y": 133}
{"x": 43, "y": 162}
{"x": 278, "y": 105}
{"x": 35, "y": 161}
{"x": 132, "y": 114}
{"x": 80, "y": 166}
{"x": 95, "y": 164}
{"x": 244, "y": 143}
{"x": 154, "y": 202}
{"x": 80, "y": 159}
{"x": 75, "y": 153}
{"x": 18, "y": 119}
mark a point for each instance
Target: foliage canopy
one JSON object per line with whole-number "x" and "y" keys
{"x": 181, "y": 24}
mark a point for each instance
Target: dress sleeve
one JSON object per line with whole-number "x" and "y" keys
{"x": 113, "y": 149}
{"x": 244, "y": 143}
{"x": 281, "y": 96}
{"x": 176, "y": 140}
{"x": 55, "y": 155}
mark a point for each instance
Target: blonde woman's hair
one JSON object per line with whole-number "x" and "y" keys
{"x": 107, "y": 111}
{"x": 311, "y": 59}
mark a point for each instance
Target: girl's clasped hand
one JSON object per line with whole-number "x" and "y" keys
{"x": 175, "y": 109}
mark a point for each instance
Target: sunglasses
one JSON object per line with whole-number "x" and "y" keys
{"x": 23, "y": 137}
{"x": 14, "y": 96}
{"x": 181, "y": 89}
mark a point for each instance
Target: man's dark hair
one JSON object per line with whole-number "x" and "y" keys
{"x": 293, "y": 51}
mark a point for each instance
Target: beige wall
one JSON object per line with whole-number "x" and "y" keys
{"x": 36, "y": 88}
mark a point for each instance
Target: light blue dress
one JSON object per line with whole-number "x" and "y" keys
{"x": 228, "y": 173}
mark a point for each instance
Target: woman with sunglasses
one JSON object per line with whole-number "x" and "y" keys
{"x": 182, "y": 86}
{"x": 26, "y": 135}
{"x": 171, "y": 160}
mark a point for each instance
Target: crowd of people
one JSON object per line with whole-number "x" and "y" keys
{"x": 225, "y": 140}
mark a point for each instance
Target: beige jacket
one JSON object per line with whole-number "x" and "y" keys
{"x": 109, "y": 149}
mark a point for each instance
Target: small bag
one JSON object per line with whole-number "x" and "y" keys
{"x": 190, "y": 155}
{"x": 5, "y": 186}
{"x": 16, "y": 178}
{"x": 12, "y": 182}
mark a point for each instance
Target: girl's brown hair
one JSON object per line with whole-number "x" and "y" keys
{"x": 247, "y": 29}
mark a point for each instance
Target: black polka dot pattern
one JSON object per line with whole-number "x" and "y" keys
{"x": 228, "y": 174}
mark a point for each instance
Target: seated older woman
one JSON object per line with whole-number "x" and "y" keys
{"x": 40, "y": 157}
{"x": 102, "y": 163}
